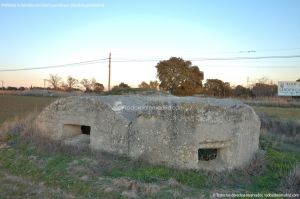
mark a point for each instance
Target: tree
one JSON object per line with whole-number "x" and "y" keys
{"x": 92, "y": 85}
{"x": 86, "y": 84}
{"x": 144, "y": 85}
{"x": 54, "y": 80}
{"x": 71, "y": 83}
{"x": 64, "y": 86}
{"x": 240, "y": 91}
{"x": 154, "y": 85}
{"x": 12, "y": 88}
{"x": 264, "y": 90}
{"x": 218, "y": 88}
{"x": 93, "y": 82}
{"x": 179, "y": 76}
{"x": 298, "y": 80}
{"x": 98, "y": 88}
{"x": 121, "y": 86}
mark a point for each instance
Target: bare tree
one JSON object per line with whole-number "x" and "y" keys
{"x": 71, "y": 83}
{"x": 86, "y": 84}
{"x": 93, "y": 83}
{"x": 54, "y": 80}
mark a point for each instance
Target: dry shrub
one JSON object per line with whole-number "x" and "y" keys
{"x": 25, "y": 128}
{"x": 105, "y": 161}
{"x": 257, "y": 166}
{"x": 274, "y": 101}
{"x": 291, "y": 182}
{"x": 15, "y": 127}
{"x": 289, "y": 129}
{"x": 32, "y": 135}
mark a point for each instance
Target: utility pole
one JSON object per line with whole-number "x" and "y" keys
{"x": 248, "y": 81}
{"x": 109, "y": 66}
{"x": 45, "y": 80}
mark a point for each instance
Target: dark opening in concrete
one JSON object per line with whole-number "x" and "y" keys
{"x": 85, "y": 130}
{"x": 76, "y": 135}
{"x": 207, "y": 154}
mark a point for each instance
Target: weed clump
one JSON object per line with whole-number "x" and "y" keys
{"x": 291, "y": 182}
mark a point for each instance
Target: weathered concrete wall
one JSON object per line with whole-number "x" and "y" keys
{"x": 162, "y": 130}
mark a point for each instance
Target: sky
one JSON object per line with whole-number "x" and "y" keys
{"x": 149, "y": 31}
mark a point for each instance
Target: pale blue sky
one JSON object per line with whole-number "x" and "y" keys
{"x": 140, "y": 29}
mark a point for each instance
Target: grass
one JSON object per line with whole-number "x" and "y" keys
{"x": 280, "y": 163}
{"x": 12, "y": 106}
{"x": 55, "y": 171}
{"x": 33, "y": 167}
{"x": 160, "y": 173}
{"x": 279, "y": 112}
{"x": 25, "y": 157}
{"x": 291, "y": 183}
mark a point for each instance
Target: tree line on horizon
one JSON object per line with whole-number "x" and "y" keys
{"x": 176, "y": 76}
{"x": 181, "y": 78}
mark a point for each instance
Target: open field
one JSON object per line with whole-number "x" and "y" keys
{"x": 32, "y": 167}
{"x": 17, "y": 106}
{"x": 279, "y": 112}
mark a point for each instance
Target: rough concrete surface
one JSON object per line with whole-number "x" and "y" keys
{"x": 180, "y": 132}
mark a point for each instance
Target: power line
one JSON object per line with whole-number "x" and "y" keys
{"x": 279, "y": 49}
{"x": 215, "y": 58}
{"x": 244, "y": 51}
{"x": 104, "y": 60}
{"x": 245, "y": 58}
{"x": 56, "y": 66}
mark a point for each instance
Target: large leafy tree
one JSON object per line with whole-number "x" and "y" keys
{"x": 217, "y": 88}
{"x": 179, "y": 77}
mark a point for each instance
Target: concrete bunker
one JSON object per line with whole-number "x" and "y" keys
{"x": 181, "y": 132}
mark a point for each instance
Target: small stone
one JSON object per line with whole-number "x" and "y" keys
{"x": 4, "y": 146}
{"x": 108, "y": 189}
{"x": 129, "y": 194}
{"x": 85, "y": 178}
{"x": 173, "y": 183}
{"x": 152, "y": 189}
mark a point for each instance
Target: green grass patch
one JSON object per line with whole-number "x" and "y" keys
{"x": 280, "y": 163}
{"x": 160, "y": 173}
{"x": 17, "y": 161}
